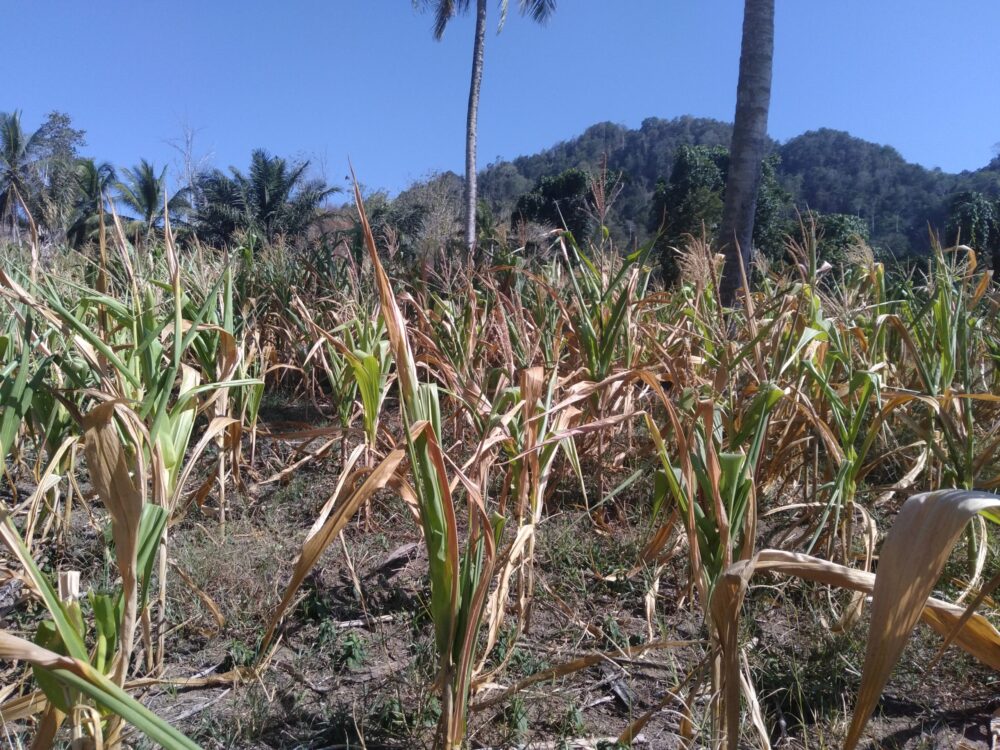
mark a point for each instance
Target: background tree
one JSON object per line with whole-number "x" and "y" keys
{"x": 94, "y": 183}
{"x": 20, "y": 153}
{"x": 189, "y": 164}
{"x": 273, "y": 198}
{"x": 143, "y": 191}
{"x": 444, "y": 11}
{"x": 37, "y": 169}
{"x": 221, "y": 208}
{"x": 691, "y": 202}
{"x": 427, "y": 214}
{"x": 828, "y": 171}
{"x": 753, "y": 100}
{"x": 838, "y": 233}
{"x": 835, "y": 234}
{"x": 56, "y": 202}
{"x": 559, "y": 201}
{"x": 974, "y": 220}
{"x": 692, "y": 197}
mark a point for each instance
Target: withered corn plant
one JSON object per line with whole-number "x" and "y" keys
{"x": 460, "y": 574}
{"x": 67, "y": 674}
{"x": 137, "y": 350}
{"x": 910, "y": 562}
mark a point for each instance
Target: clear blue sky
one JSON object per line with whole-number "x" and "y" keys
{"x": 332, "y": 79}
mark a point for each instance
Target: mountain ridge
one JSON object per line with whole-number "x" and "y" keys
{"x": 826, "y": 170}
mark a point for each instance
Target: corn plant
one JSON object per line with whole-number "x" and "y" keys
{"x": 601, "y": 313}
{"x": 367, "y": 352}
{"x": 18, "y": 385}
{"x": 460, "y": 578}
{"x": 944, "y": 337}
{"x": 533, "y": 432}
{"x": 72, "y": 674}
{"x": 57, "y": 434}
{"x": 355, "y": 358}
{"x": 135, "y": 354}
{"x": 842, "y": 397}
{"x": 136, "y": 529}
{"x": 533, "y": 320}
{"x": 217, "y": 353}
{"x": 713, "y": 481}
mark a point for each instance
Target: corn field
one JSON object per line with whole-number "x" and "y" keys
{"x": 830, "y": 444}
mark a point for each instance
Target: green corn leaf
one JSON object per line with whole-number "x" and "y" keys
{"x": 65, "y": 626}
{"x": 151, "y": 524}
{"x": 16, "y": 392}
{"x": 107, "y": 620}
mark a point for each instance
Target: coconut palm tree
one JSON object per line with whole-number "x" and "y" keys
{"x": 94, "y": 183}
{"x": 273, "y": 198}
{"x": 143, "y": 191}
{"x": 444, "y": 11}
{"x": 37, "y": 173}
{"x": 20, "y": 155}
{"x": 749, "y": 145}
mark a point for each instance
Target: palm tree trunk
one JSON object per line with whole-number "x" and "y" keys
{"x": 470, "y": 126}
{"x": 753, "y": 99}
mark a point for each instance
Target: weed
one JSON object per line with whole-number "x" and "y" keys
{"x": 350, "y": 651}
{"x": 515, "y": 717}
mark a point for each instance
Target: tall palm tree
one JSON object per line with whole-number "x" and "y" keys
{"x": 749, "y": 145}
{"x": 20, "y": 157}
{"x": 142, "y": 191}
{"x": 444, "y": 11}
{"x": 94, "y": 183}
{"x": 273, "y": 198}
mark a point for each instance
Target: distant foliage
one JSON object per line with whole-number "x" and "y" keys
{"x": 826, "y": 171}
{"x": 690, "y": 203}
{"x": 142, "y": 191}
{"x": 559, "y": 201}
{"x": 273, "y": 198}
{"x": 37, "y": 174}
{"x": 974, "y": 220}
{"x": 671, "y": 175}
{"x": 835, "y": 234}
{"x": 94, "y": 183}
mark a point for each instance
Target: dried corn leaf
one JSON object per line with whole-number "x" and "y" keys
{"x": 343, "y": 509}
{"x": 914, "y": 553}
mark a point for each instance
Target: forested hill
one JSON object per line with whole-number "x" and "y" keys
{"x": 825, "y": 170}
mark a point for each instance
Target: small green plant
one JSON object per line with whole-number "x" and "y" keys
{"x": 525, "y": 662}
{"x": 516, "y": 719}
{"x": 390, "y": 716}
{"x": 573, "y": 724}
{"x": 327, "y": 635}
{"x": 351, "y": 651}
{"x": 239, "y": 654}
{"x": 615, "y": 637}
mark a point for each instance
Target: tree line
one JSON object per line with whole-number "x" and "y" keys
{"x": 669, "y": 181}
{"x": 48, "y": 187}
